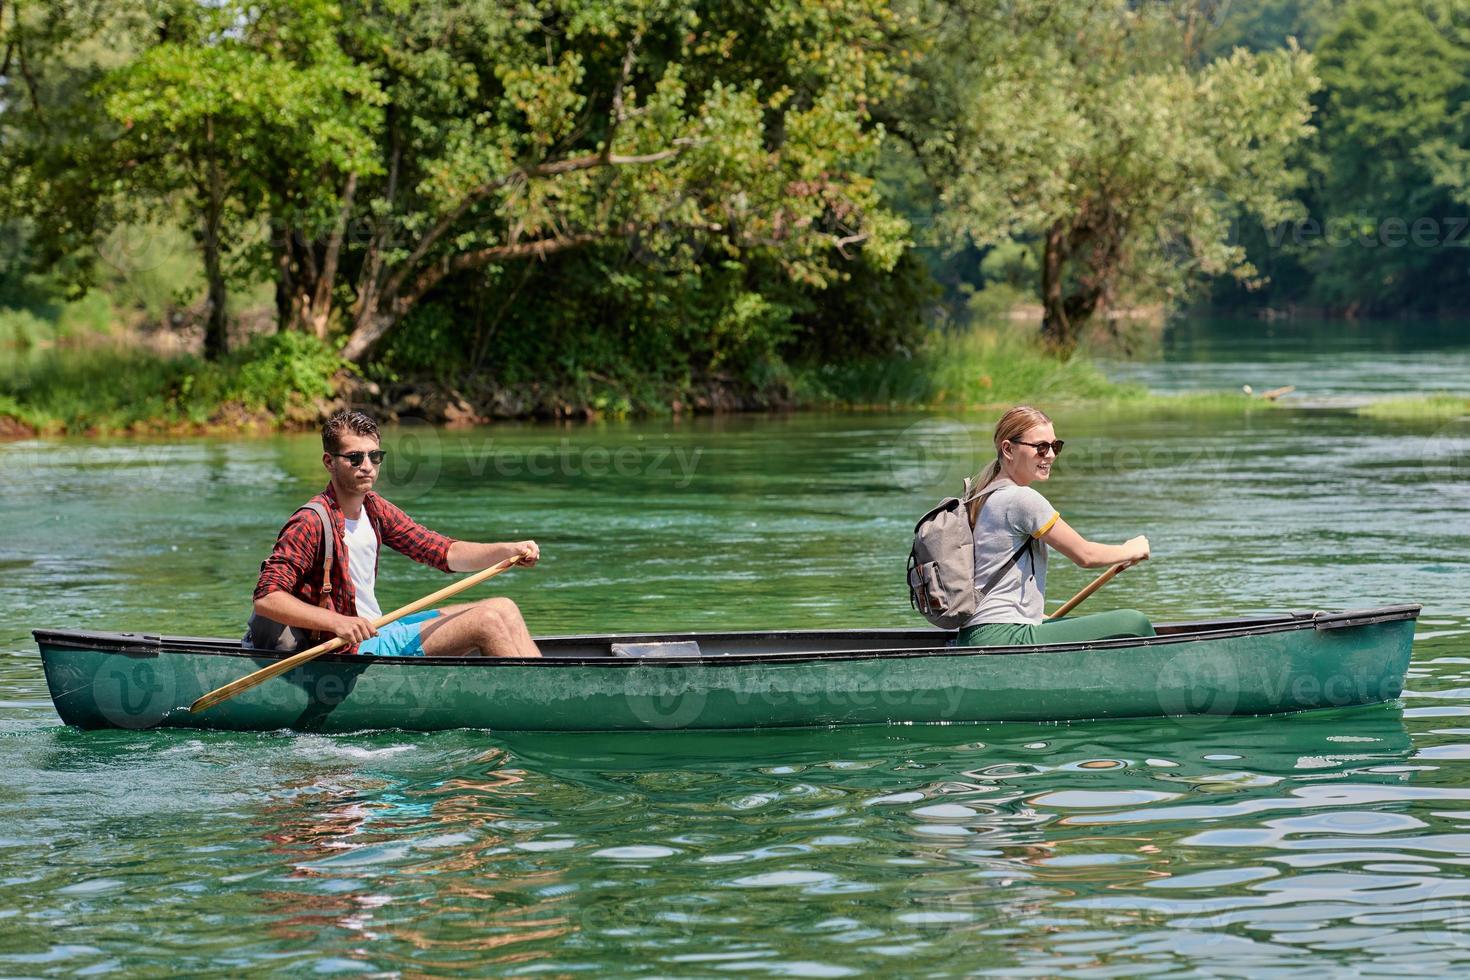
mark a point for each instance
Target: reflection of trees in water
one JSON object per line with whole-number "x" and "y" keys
{"x": 447, "y": 882}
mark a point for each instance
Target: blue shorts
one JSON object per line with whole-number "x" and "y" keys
{"x": 402, "y": 638}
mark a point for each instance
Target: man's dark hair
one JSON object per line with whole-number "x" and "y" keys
{"x": 346, "y": 420}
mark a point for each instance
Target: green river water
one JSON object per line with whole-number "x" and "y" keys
{"x": 1314, "y": 844}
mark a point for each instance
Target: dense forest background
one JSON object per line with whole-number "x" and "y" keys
{"x": 617, "y": 205}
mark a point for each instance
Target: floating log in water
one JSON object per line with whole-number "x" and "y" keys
{"x": 1271, "y": 395}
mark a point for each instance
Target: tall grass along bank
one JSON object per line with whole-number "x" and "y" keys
{"x": 273, "y": 382}
{"x": 288, "y": 380}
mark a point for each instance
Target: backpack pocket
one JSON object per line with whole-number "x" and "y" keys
{"x": 926, "y": 591}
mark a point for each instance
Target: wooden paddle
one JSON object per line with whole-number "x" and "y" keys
{"x": 1096, "y": 584}
{"x": 281, "y": 666}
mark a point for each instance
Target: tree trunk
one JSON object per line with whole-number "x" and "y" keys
{"x": 1056, "y": 326}
{"x": 320, "y": 314}
{"x": 378, "y": 312}
{"x": 296, "y": 281}
{"x": 370, "y": 327}
{"x": 216, "y": 325}
{"x": 281, "y": 259}
{"x": 1081, "y": 307}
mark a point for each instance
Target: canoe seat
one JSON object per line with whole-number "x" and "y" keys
{"x": 675, "y": 648}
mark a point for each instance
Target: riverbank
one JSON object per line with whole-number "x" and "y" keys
{"x": 289, "y": 382}
{"x": 279, "y": 382}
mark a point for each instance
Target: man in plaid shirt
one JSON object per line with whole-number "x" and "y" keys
{"x": 290, "y": 590}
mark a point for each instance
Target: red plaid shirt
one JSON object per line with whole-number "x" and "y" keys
{"x": 295, "y": 565}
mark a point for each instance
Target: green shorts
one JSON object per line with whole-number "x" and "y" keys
{"x": 1068, "y": 629}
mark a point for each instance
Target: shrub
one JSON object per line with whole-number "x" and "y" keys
{"x": 114, "y": 388}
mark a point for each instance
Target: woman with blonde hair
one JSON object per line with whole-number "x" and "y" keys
{"x": 1014, "y": 527}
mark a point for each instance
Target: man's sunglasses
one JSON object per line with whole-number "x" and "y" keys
{"x": 356, "y": 458}
{"x": 1042, "y": 448}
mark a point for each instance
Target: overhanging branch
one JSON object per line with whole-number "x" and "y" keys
{"x": 552, "y": 168}
{"x": 538, "y": 248}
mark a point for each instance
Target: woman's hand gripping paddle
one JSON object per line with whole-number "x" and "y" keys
{"x": 1096, "y": 584}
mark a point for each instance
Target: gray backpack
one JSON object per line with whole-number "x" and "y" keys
{"x": 941, "y": 570}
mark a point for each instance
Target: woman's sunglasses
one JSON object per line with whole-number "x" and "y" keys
{"x": 1042, "y": 448}
{"x": 355, "y": 459}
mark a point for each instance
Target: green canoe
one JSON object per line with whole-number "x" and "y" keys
{"x": 1256, "y": 665}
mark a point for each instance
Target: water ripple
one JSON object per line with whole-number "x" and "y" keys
{"x": 1327, "y": 842}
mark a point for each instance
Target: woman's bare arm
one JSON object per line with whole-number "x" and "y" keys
{"x": 1092, "y": 554}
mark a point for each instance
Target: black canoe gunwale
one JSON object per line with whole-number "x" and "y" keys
{"x": 152, "y": 645}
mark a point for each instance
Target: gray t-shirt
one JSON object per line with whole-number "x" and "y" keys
{"x": 1009, "y": 516}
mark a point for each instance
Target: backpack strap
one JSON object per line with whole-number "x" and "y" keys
{"x": 985, "y": 589}
{"x": 327, "y": 549}
{"x": 973, "y": 506}
{"x": 974, "y": 503}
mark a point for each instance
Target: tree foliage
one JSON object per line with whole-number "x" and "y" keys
{"x": 1386, "y": 206}
{"x": 234, "y": 111}
{"x": 368, "y": 155}
{"x": 673, "y": 129}
{"x": 697, "y": 187}
{"x": 1083, "y": 126}
{"x": 1392, "y": 168}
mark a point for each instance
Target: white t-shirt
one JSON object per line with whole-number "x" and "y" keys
{"x": 1009, "y": 517}
{"x": 362, "y": 563}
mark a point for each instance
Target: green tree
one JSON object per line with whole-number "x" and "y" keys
{"x": 206, "y": 115}
{"x": 513, "y": 133}
{"x": 371, "y": 158}
{"x": 1393, "y": 158}
{"x": 177, "y": 111}
{"x": 1084, "y": 127}
{"x": 55, "y": 200}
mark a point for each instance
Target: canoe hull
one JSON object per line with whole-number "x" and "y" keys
{"x": 149, "y": 682}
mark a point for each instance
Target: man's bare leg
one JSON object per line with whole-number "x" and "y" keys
{"x": 494, "y": 626}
